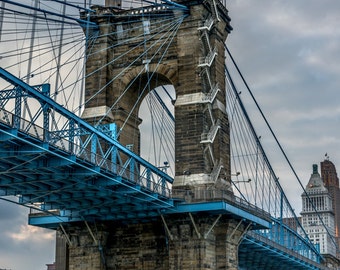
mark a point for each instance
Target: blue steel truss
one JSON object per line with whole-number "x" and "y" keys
{"x": 279, "y": 247}
{"x": 259, "y": 252}
{"x": 78, "y": 170}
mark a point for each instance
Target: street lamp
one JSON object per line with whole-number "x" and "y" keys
{"x": 239, "y": 181}
{"x": 242, "y": 181}
{"x": 165, "y": 167}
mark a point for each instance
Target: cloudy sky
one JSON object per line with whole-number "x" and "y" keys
{"x": 289, "y": 53}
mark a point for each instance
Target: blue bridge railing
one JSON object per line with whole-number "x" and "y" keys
{"x": 76, "y": 136}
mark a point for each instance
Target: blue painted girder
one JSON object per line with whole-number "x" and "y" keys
{"x": 52, "y": 179}
{"x": 94, "y": 133}
{"x": 232, "y": 208}
{"x": 54, "y": 169}
{"x": 255, "y": 254}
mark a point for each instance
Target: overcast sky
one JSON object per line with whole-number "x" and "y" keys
{"x": 289, "y": 53}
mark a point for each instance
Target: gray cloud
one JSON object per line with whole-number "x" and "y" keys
{"x": 23, "y": 246}
{"x": 289, "y": 54}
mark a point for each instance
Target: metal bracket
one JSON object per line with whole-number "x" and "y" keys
{"x": 212, "y": 226}
{"x": 196, "y": 229}
{"x": 68, "y": 240}
{"x": 97, "y": 243}
{"x": 238, "y": 225}
{"x": 167, "y": 229}
{"x": 245, "y": 231}
{"x": 91, "y": 233}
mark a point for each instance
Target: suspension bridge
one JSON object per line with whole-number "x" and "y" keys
{"x": 127, "y": 116}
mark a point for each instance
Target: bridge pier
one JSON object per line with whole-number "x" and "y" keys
{"x": 227, "y": 242}
{"x": 176, "y": 242}
{"x": 204, "y": 242}
{"x": 86, "y": 252}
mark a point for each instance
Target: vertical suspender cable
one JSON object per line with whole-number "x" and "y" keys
{"x": 29, "y": 67}
{"x": 87, "y": 33}
{"x": 2, "y": 17}
{"x": 280, "y": 147}
{"x": 60, "y": 47}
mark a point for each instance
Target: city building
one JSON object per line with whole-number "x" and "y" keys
{"x": 331, "y": 182}
{"x": 317, "y": 214}
{"x": 51, "y": 266}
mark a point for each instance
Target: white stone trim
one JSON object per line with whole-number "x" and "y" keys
{"x": 189, "y": 99}
{"x": 196, "y": 98}
{"x": 192, "y": 180}
{"x": 99, "y": 111}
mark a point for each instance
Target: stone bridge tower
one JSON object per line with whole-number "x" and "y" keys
{"x": 193, "y": 64}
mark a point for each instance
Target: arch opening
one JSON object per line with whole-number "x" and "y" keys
{"x": 148, "y": 125}
{"x": 157, "y": 130}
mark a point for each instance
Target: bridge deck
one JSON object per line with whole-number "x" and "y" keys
{"x": 49, "y": 178}
{"x": 258, "y": 252}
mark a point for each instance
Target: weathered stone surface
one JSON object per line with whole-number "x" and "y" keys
{"x": 192, "y": 244}
{"x": 178, "y": 65}
{"x": 183, "y": 242}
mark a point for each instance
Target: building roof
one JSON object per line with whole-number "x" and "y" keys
{"x": 315, "y": 183}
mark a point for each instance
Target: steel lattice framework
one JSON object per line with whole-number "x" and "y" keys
{"x": 68, "y": 169}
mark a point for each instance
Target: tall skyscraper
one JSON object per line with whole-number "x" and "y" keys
{"x": 331, "y": 182}
{"x": 317, "y": 214}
